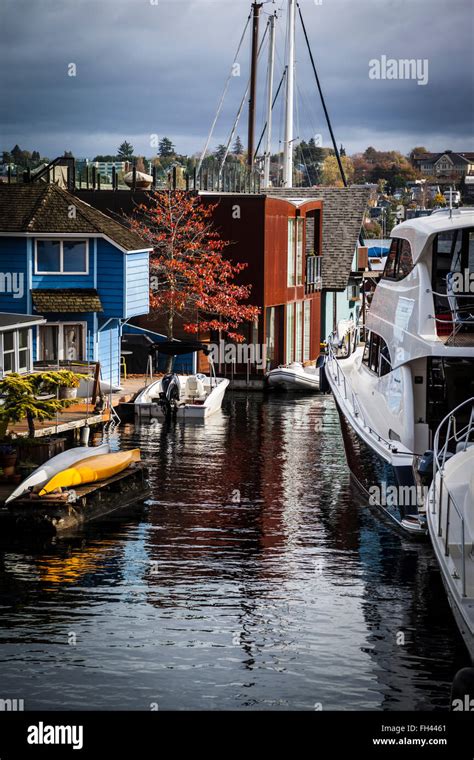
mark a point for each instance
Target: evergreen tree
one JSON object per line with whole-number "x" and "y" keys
{"x": 220, "y": 153}
{"x": 166, "y": 148}
{"x": 238, "y": 148}
{"x": 125, "y": 151}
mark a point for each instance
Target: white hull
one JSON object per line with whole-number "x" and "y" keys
{"x": 458, "y": 577}
{"x": 62, "y": 461}
{"x": 395, "y": 461}
{"x": 294, "y": 378}
{"x": 146, "y": 406}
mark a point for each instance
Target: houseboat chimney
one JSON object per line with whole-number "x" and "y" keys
{"x": 290, "y": 82}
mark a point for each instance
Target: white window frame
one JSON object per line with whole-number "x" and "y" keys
{"x": 61, "y": 255}
{"x": 60, "y": 326}
{"x": 16, "y": 352}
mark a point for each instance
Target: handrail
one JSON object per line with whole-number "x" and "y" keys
{"x": 457, "y": 311}
{"x": 453, "y": 436}
{"x": 358, "y": 410}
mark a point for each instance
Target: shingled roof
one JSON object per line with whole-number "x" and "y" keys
{"x": 72, "y": 300}
{"x": 343, "y": 213}
{"x": 46, "y": 208}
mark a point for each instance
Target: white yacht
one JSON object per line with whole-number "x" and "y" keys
{"x": 450, "y": 513}
{"x": 415, "y": 364}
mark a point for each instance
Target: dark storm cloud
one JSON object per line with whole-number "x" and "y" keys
{"x": 145, "y": 68}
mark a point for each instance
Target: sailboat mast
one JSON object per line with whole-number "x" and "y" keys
{"x": 268, "y": 140}
{"x": 289, "y": 108}
{"x": 253, "y": 83}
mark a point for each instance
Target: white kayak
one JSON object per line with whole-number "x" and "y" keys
{"x": 86, "y": 388}
{"x": 56, "y": 464}
{"x": 294, "y": 377}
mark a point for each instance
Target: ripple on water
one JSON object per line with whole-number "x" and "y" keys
{"x": 250, "y": 580}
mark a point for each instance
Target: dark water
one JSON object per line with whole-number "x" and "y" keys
{"x": 251, "y": 580}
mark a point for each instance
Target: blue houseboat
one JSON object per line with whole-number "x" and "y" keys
{"x": 84, "y": 272}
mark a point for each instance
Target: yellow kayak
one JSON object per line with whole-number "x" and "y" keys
{"x": 89, "y": 470}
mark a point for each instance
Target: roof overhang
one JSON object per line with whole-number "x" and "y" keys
{"x": 74, "y": 236}
{"x": 18, "y": 321}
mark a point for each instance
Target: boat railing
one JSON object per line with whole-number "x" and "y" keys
{"x": 457, "y": 317}
{"x": 452, "y": 433}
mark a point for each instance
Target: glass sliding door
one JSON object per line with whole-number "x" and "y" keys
{"x": 307, "y": 331}
{"x": 72, "y": 342}
{"x": 49, "y": 343}
{"x": 299, "y": 332}
{"x": 290, "y": 332}
{"x": 61, "y": 342}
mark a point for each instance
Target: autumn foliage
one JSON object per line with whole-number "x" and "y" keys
{"x": 190, "y": 278}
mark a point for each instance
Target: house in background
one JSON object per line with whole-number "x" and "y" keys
{"x": 83, "y": 271}
{"x": 303, "y": 262}
{"x": 280, "y": 241}
{"x": 16, "y": 342}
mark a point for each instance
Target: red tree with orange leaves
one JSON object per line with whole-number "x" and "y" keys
{"x": 189, "y": 276}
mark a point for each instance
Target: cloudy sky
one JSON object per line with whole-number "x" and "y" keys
{"x": 146, "y": 67}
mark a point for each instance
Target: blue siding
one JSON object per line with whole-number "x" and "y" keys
{"x": 109, "y": 340}
{"x": 13, "y": 262}
{"x": 137, "y": 276}
{"x": 110, "y": 278}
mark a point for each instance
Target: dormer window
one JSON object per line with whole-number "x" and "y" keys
{"x": 61, "y": 257}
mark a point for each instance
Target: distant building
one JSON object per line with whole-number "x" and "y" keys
{"x": 448, "y": 164}
{"x": 105, "y": 168}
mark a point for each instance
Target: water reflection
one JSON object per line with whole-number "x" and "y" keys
{"x": 250, "y": 580}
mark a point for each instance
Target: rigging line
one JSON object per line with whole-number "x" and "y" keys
{"x": 239, "y": 112}
{"x": 224, "y": 93}
{"x": 323, "y": 102}
{"x": 273, "y": 103}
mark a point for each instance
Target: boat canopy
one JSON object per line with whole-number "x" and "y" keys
{"x": 179, "y": 347}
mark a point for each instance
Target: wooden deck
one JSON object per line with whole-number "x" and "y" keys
{"x": 69, "y": 510}
{"x": 74, "y": 417}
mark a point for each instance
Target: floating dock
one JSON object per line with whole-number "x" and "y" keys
{"x": 59, "y": 513}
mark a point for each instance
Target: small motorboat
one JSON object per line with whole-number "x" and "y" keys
{"x": 186, "y": 397}
{"x": 450, "y": 513}
{"x": 91, "y": 470}
{"x": 296, "y": 377}
{"x": 56, "y": 464}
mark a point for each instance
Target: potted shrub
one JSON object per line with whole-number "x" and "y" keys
{"x": 32, "y": 397}
{"x": 64, "y": 381}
